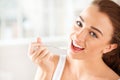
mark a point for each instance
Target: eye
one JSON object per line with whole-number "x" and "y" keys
{"x": 93, "y": 34}
{"x": 79, "y": 23}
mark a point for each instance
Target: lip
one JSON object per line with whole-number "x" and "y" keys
{"x": 76, "y": 49}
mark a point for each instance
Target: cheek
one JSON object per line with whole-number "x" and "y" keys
{"x": 95, "y": 47}
{"x": 73, "y": 31}
{"x": 72, "y": 34}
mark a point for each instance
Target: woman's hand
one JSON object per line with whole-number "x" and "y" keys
{"x": 37, "y": 51}
{"x": 41, "y": 56}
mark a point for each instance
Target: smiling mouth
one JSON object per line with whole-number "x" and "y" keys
{"x": 76, "y": 47}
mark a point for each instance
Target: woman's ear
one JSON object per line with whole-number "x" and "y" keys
{"x": 110, "y": 47}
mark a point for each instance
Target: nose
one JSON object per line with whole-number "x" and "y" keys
{"x": 81, "y": 35}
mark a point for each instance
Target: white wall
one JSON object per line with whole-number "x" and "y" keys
{"x": 15, "y": 64}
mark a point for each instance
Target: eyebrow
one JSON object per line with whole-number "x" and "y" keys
{"x": 92, "y": 26}
{"x": 81, "y": 18}
{"x": 97, "y": 30}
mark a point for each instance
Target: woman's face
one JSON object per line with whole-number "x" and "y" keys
{"x": 90, "y": 34}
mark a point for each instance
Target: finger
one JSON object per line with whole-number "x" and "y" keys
{"x": 43, "y": 55}
{"x": 38, "y": 40}
{"x": 37, "y": 53}
{"x": 33, "y": 47}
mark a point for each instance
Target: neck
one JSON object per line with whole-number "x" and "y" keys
{"x": 85, "y": 66}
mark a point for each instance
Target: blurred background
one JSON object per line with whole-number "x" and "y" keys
{"x": 21, "y": 21}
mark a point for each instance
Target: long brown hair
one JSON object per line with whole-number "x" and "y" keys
{"x": 112, "y": 9}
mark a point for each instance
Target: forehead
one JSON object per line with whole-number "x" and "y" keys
{"x": 93, "y": 17}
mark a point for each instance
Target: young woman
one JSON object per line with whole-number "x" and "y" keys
{"x": 94, "y": 49}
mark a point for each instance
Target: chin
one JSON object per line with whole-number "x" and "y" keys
{"x": 74, "y": 55}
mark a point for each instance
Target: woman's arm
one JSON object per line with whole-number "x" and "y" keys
{"x": 41, "y": 75}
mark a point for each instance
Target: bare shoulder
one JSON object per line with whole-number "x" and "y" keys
{"x": 118, "y": 78}
{"x": 113, "y": 76}
{"x": 108, "y": 74}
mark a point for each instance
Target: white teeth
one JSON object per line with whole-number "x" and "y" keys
{"x": 77, "y": 45}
